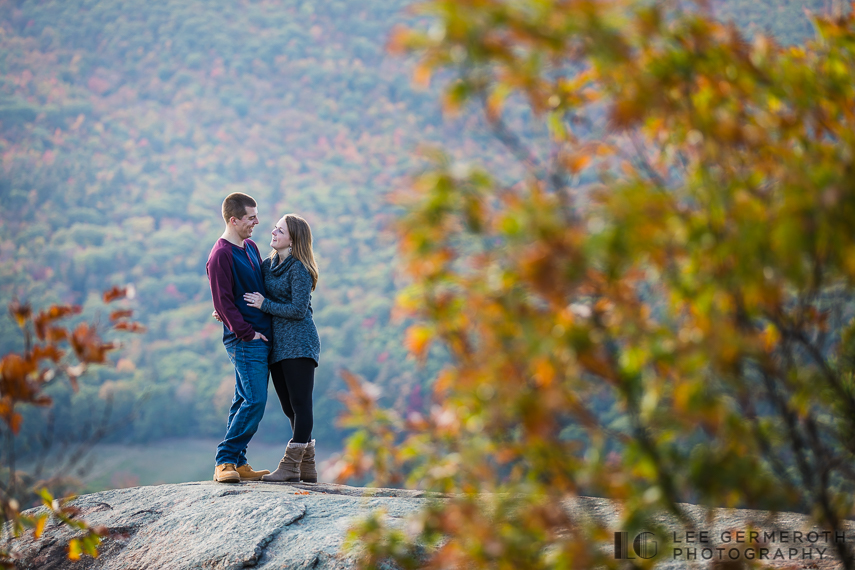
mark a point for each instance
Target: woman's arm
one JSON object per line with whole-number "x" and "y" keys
{"x": 301, "y": 291}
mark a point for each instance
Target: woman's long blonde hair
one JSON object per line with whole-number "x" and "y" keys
{"x": 301, "y": 245}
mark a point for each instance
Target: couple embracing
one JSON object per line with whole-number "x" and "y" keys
{"x": 266, "y": 310}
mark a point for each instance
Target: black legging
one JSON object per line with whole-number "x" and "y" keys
{"x": 294, "y": 379}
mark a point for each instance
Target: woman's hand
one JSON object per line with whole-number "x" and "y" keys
{"x": 216, "y": 315}
{"x": 253, "y": 299}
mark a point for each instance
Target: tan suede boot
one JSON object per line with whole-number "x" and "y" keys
{"x": 308, "y": 473}
{"x": 289, "y": 468}
{"x": 247, "y": 473}
{"x": 226, "y": 473}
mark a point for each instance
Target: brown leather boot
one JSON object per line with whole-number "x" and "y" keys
{"x": 247, "y": 473}
{"x": 289, "y": 468}
{"x": 308, "y": 473}
{"x": 226, "y": 473}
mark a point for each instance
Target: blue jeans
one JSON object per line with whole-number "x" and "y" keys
{"x": 251, "y": 373}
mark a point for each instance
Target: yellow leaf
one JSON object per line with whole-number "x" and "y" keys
{"x": 40, "y": 525}
{"x": 74, "y": 549}
{"x": 496, "y": 102}
{"x": 682, "y": 392}
{"x": 417, "y": 339}
{"x": 771, "y": 336}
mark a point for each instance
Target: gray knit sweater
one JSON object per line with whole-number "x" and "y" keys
{"x": 289, "y": 301}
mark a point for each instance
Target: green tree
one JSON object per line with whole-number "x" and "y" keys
{"x": 659, "y": 312}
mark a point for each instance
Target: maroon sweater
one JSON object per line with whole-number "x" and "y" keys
{"x": 233, "y": 271}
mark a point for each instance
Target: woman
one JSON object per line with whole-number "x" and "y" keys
{"x": 290, "y": 276}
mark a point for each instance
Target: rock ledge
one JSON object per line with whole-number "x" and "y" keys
{"x": 213, "y": 525}
{"x": 300, "y": 525}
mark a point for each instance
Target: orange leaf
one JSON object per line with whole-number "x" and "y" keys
{"x": 399, "y": 40}
{"x": 417, "y": 340}
{"x": 444, "y": 381}
{"x": 577, "y": 162}
{"x": 544, "y": 373}
{"x": 421, "y": 75}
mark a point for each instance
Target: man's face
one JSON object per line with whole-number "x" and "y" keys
{"x": 245, "y": 225}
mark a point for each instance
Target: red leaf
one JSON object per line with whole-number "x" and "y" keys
{"x": 130, "y": 327}
{"x": 43, "y": 401}
{"x": 14, "y": 422}
{"x": 45, "y": 318}
{"x": 120, "y": 314}
{"x": 49, "y": 351}
{"x": 88, "y": 346}
{"x": 14, "y": 369}
{"x": 56, "y": 334}
{"x": 115, "y": 293}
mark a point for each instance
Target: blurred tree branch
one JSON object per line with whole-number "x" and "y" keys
{"x": 50, "y": 351}
{"x": 682, "y": 307}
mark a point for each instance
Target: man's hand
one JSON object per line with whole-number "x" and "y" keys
{"x": 253, "y": 299}
{"x": 257, "y": 336}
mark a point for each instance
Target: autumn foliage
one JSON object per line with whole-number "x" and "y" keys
{"x": 56, "y": 352}
{"x": 659, "y": 311}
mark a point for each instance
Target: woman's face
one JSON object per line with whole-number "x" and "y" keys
{"x": 281, "y": 239}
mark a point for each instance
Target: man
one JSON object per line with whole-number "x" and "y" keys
{"x": 234, "y": 268}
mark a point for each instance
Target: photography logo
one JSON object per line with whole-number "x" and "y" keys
{"x": 732, "y": 544}
{"x": 644, "y": 545}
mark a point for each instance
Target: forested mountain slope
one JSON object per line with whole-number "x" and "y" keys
{"x": 123, "y": 125}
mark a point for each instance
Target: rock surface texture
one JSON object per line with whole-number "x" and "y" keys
{"x": 282, "y": 525}
{"x": 213, "y": 525}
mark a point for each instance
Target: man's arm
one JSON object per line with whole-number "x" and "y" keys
{"x": 222, "y": 292}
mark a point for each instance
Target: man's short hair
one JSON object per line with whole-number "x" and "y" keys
{"x": 235, "y": 205}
